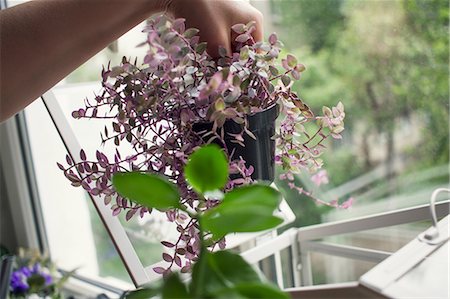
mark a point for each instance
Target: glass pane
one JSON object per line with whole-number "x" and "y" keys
{"x": 333, "y": 269}
{"x": 76, "y": 236}
{"x": 145, "y": 233}
{"x": 11, "y": 3}
{"x": 124, "y": 46}
{"x": 387, "y": 61}
{"x": 389, "y": 239}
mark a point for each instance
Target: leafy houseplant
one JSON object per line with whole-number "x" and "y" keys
{"x": 244, "y": 209}
{"x": 157, "y": 111}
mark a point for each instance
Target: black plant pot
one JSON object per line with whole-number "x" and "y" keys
{"x": 259, "y": 153}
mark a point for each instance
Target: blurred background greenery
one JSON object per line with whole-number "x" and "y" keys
{"x": 387, "y": 61}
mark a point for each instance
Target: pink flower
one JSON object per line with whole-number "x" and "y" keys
{"x": 287, "y": 176}
{"x": 348, "y": 203}
{"x": 320, "y": 178}
{"x": 298, "y": 189}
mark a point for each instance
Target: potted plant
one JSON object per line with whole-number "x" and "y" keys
{"x": 179, "y": 99}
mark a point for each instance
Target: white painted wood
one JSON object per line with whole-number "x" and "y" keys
{"x": 386, "y": 219}
{"x": 270, "y": 247}
{"x": 391, "y": 270}
{"x": 346, "y": 251}
{"x": 306, "y": 267}
{"x": 112, "y": 224}
{"x": 15, "y": 177}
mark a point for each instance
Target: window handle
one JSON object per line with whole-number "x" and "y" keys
{"x": 432, "y": 236}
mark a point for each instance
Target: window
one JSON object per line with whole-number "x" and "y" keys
{"x": 387, "y": 61}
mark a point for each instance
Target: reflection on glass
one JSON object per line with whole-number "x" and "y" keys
{"x": 333, "y": 269}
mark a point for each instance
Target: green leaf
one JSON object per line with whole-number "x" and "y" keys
{"x": 66, "y": 275}
{"x": 204, "y": 279}
{"x": 232, "y": 267}
{"x": 286, "y": 80}
{"x": 149, "y": 190}
{"x": 273, "y": 70}
{"x": 207, "y": 169}
{"x": 241, "y": 223}
{"x": 253, "y": 290}
{"x": 220, "y": 271}
{"x": 174, "y": 288}
{"x": 245, "y": 83}
{"x": 201, "y": 47}
{"x": 245, "y": 209}
{"x": 291, "y": 60}
{"x": 142, "y": 293}
{"x": 191, "y": 32}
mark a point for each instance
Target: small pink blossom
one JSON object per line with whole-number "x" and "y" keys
{"x": 348, "y": 203}
{"x": 298, "y": 189}
{"x": 287, "y": 176}
{"x": 320, "y": 178}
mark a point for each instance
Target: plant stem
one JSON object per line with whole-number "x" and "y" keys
{"x": 201, "y": 262}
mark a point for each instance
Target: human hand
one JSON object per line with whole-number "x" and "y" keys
{"x": 214, "y": 19}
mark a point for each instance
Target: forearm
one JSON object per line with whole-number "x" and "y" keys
{"x": 43, "y": 41}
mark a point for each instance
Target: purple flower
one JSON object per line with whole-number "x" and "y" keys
{"x": 19, "y": 282}
{"x": 20, "y": 278}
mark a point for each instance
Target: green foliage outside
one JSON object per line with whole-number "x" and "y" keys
{"x": 387, "y": 61}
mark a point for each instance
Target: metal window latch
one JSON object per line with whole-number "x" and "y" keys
{"x": 432, "y": 236}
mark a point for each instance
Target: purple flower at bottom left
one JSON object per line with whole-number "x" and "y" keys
{"x": 20, "y": 278}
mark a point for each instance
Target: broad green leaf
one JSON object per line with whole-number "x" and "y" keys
{"x": 204, "y": 279}
{"x": 174, "y": 288}
{"x": 221, "y": 270}
{"x": 227, "y": 293}
{"x": 207, "y": 169}
{"x": 245, "y": 209}
{"x": 149, "y": 190}
{"x": 142, "y": 293}
{"x": 232, "y": 267}
{"x": 241, "y": 222}
{"x": 253, "y": 290}
{"x": 257, "y": 195}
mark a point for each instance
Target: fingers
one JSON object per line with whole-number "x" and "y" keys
{"x": 258, "y": 34}
{"x": 215, "y": 18}
{"x": 216, "y": 43}
{"x": 251, "y": 15}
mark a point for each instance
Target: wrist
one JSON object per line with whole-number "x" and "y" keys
{"x": 176, "y": 8}
{"x": 168, "y": 6}
{"x": 155, "y": 6}
{"x": 163, "y": 6}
